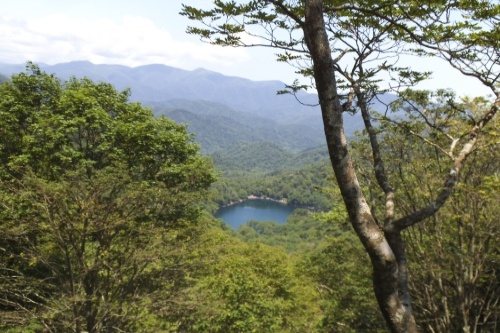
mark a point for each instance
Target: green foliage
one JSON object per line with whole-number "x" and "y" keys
{"x": 265, "y": 157}
{"x": 456, "y": 284}
{"x": 303, "y": 187}
{"x": 99, "y": 200}
{"x": 302, "y": 232}
{"x": 341, "y": 270}
{"x": 327, "y": 252}
{"x": 262, "y": 156}
{"x": 350, "y": 45}
{"x": 452, "y": 261}
{"x": 85, "y": 249}
{"x": 248, "y": 288}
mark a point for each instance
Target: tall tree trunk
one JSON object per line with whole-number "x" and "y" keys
{"x": 390, "y": 287}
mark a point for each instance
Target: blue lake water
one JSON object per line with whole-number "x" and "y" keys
{"x": 262, "y": 210}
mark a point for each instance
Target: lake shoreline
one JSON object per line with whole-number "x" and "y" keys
{"x": 254, "y": 197}
{"x": 254, "y": 208}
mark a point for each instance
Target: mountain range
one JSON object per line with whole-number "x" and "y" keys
{"x": 221, "y": 110}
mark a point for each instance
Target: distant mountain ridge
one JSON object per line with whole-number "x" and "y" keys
{"x": 221, "y": 110}
{"x": 160, "y": 83}
{"x": 218, "y": 127}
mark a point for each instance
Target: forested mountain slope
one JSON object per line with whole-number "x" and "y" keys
{"x": 266, "y": 157}
{"x": 221, "y": 110}
{"x": 160, "y": 83}
{"x": 217, "y": 132}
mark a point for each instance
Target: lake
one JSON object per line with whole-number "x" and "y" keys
{"x": 256, "y": 209}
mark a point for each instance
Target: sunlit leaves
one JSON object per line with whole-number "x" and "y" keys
{"x": 97, "y": 196}
{"x": 453, "y": 251}
{"x": 249, "y": 288}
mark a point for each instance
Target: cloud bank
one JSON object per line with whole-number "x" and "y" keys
{"x": 133, "y": 41}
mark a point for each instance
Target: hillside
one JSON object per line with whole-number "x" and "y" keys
{"x": 217, "y": 127}
{"x": 266, "y": 157}
{"x": 160, "y": 83}
{"x": 221, "y": 110}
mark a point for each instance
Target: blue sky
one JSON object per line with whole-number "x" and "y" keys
{"x": 134, "y": 33}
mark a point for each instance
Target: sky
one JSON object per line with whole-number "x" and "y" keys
{"x": 135, "y": 33}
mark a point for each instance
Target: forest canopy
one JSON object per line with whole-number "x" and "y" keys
{"x": 98, "y": 198}
{"x": 350, "y": 51}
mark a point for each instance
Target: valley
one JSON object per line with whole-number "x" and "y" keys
{"x": 262, "y": 144}
{"x": 359, "y": 196}
{"x": 132, "y": 197}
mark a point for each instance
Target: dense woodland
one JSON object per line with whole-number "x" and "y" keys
{"x": 351, "y": 53}
{"x": 106, "y": 226}
{"x": 106, "y": 206}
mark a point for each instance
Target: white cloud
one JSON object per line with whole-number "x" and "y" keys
{"x": 133, "y": 41}
{"x": 58, "y": 37}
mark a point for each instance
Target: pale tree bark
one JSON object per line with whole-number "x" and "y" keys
{"x": 386, "y": 272}
{"x": 384, "y": 244}
{"x": 382, "y": 241}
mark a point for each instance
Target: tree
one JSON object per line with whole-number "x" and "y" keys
{"x": 323, "y": 32}
{"x": 248, "y": 288}
{"x": 99, "y": 200}
{"x": 342, "y": 275}
{"x": 458, "y": 288}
